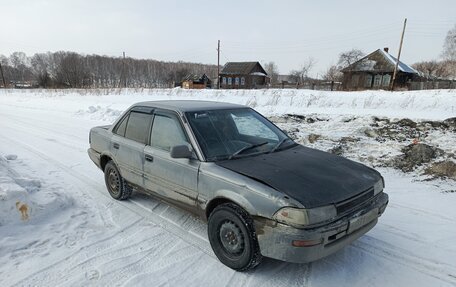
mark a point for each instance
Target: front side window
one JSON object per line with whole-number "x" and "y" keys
{"x": 236, "y": 81}
{"x": 242, "y": 81}
{"x": 224, "y": 80}
{"x": 221, "y": 134}
{"x": 138, "y": 127}
{"x": 167, "y": 132}
{"x": 229, "y": 81}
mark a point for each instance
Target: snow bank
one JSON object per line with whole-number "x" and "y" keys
{"x": 428, "y": 104}
{"x": 22, "y": 200}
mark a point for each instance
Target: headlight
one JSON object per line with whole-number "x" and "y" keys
{"x": 301, "y": 217}
{"x": 378, "y": 186}
{"x": 292, "y": 216}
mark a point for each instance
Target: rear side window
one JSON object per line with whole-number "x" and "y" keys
{"x": 122, "y": 127}
{"x": 166, "y": 133}
{"x": 138, "y": 127}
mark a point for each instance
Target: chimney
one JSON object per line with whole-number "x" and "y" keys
{"x": 386, "y": 49}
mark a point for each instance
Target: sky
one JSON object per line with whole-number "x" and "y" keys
{"x": 285, "y": 32}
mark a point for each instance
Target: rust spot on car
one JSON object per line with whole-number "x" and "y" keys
{"x": 23, "y": 209}
{"x": 263, "y": 225}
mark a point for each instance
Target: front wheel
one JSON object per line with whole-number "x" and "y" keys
{"x": 117, "y": 186}
{"x": 233, "y": 238}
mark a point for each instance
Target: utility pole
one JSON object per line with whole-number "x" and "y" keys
{"x": 398, "y": 55}
{"x": 218, "y": 65}
{"x": 3, "y": 77}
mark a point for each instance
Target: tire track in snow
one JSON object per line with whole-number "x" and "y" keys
{"x": 83, "y": 261}
{"x": 144, "y": 213}
{"x": 45, "y": 272}
{"x": 380, "y": 248}
{"x": 421, "y": 211}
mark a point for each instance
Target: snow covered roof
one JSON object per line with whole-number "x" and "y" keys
{"x": 258, "y": 74}
{"x": 379, "y": 60}
{"x": 402, "y": 66}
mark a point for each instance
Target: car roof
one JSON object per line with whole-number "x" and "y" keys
{"x": 188, "y": 105}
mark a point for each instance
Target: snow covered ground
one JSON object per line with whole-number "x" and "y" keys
{"x": 59, "y": 227}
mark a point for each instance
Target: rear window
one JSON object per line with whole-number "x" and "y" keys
{"x": 138, "y": 127}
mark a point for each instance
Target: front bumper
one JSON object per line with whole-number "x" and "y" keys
{"x": 276, "y": 239}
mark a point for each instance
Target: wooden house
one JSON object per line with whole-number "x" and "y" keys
{"x": 243, "y": 75}
{"x": 196, "y": 82}
{"x": 375, "y": 71}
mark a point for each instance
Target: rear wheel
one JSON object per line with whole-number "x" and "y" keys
{"x": 233, "y": 238}
{"x": 117, "y": 186}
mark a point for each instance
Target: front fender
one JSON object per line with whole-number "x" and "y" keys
{"x": 215, "y": 182}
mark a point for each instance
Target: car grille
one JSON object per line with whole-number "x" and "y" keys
{"x": 349, "y": 204}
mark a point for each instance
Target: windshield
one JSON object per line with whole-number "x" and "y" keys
{"x": 231, "y": 133}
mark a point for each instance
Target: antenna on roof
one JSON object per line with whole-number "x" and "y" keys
{"x": 398, "y": 55}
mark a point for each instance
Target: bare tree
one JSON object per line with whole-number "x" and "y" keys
{"x": 449, "y": 46}
{"x": 333, "y": 73}
{"x": 40, "y": 67}
{"x": 433, "y": 68}
{"x": 349, "y": 57}
{"x": 301, "y": 75}
{"x": 272, "y": 70}
{"x": 69, "y": 69}
{"x": 20, "y": 63}
{"x": 450, "y": 67}
{"x": 295, "y": 76}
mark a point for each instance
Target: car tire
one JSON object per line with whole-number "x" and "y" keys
{"x": 233, "y": 238}
{"x": 117, "y": 187}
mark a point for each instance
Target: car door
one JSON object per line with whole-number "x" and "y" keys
{"x": 129, "y": 148}
{"x": 175, "y": 179}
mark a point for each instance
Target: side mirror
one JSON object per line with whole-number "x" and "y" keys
{"x": 181, "y": 151}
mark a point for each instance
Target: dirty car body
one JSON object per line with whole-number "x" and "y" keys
{"x": 261, "y": 193}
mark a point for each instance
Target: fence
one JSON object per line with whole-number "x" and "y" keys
{"x": 316, "y": 85}
{"x": 433, "y": 84}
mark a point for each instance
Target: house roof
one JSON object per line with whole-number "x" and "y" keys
{"x": 241, "y": 68}
{"x": 196, "y": 78}
{"x": 402, "y": 66}
{"x": 368, "y": 64}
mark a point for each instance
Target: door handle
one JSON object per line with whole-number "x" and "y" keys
{"x": 115, "y": 145}
{"x": 149, "y": 158}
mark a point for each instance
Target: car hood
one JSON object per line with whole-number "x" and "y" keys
{"x": 312, "y": 177}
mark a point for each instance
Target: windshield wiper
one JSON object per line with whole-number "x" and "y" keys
{"x": 247, "y": 148}
{"x": 279, "y": 144}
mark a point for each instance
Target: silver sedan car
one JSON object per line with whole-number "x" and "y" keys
{"x": 261, "y": 193}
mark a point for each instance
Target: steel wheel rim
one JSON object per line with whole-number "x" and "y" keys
{"x": 113, "y": 181}
{"x": 231, "y": 238}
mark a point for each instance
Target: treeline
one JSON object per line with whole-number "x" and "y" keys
{"x": 73, "y": 70}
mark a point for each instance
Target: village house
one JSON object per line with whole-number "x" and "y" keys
{"x": 375, "y": 71}
{"x": 243, "y": 75}
{"x": 196, "y": 82}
